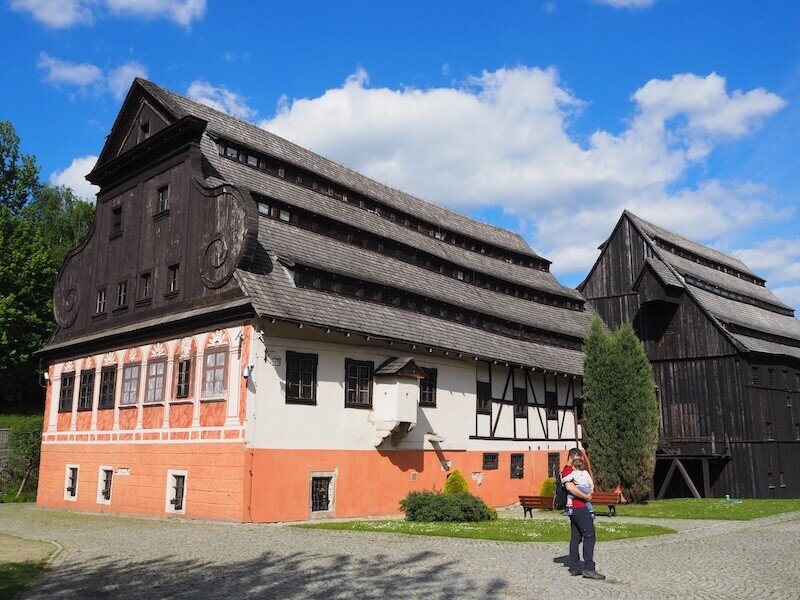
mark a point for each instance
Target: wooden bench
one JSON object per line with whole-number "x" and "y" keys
{"x": 609, "y": 499}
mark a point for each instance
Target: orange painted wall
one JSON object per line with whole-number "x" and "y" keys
{"x": 64, "y": 421}
{"x": 127, "y": 417}
{"x": 105, "y": 418}
{"x": 180, "y": 415}
{"x": 370, "y": 483}
{"x": 153, "y": 417}
{"x": 212, "y": 414}
{"x": 84, "y": 421}
{"x": 214, "y": 485}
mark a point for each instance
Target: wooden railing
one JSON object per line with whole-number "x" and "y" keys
{"x": 700, "y": 447}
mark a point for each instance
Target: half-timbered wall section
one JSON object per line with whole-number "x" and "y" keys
{"x": 378, "y": 321}
{"x": 725, "y": 354}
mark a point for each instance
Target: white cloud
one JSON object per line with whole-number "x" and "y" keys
{"x": 778, "y": 261}
{"x": 86, "y": 77}
{"x": 503, "y": 139}
{"x": 74, "y": 176}
{"x": 59, "y": 14}
{"x": 182, "y": 12}
{"x": 61, "y": 72}
{"x": 220, "y": 98}
{"x": 627, "y": 3}
{"x": 119, "y": 80}
{"x": 790, "y": 295}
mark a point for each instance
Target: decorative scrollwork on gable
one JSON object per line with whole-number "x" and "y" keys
{"x": 231, "y": 231}
{"x": 66, "y": 303}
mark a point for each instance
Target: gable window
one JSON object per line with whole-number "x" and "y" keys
{"x": 770, "y": 377}
{"x": 71, "y": 483}
{"x": 100, "y": 302}
{"x": 172, "y": 279}
{"x": 108, "y": 385}
{"x": 517, "y": 466}
{"x": 176, "y": 491}
{"x": 484, "y": 392}
{"x": 491, "y": 460}
{"x": 144, "y": 131}
{"x": 145, "y": 287}
{"x": 231, "y": 152}
{"x": 754, "y": 376}
{"x": 116, "y": 222}
{"x": 155, "y": 381}
{"x": 551, "y": 405}
{"x": 106, "y": 474}
{"x": 130, "y": 384}
{"x": 86, "y": 390}
{"x": 122, "y": 294}
{"x": 358, "y": 383}
{"x": 301, "y": 378}
{"x": 252, "y": 160}
{"x": 427, "y": 388}
{"x": 214, "y": 378}
{"x": 163, "y": 199}
{"x": 520, "y": 402}
{"x": 184, "y": 378}
{"x": 66, "y": 393}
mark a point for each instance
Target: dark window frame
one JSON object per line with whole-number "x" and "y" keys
{"x": 358, "y": 390}
{"x": 483, "y": 395}
{"x": 72, "y": 482}
{"x": 116, "y": 223}
{"x": 183, "y": 377}
{"x": 162, "y": 199}
{"x": 86, "y": 390}
{"x": 517, "y": 466}
{"x": 520, "y": 396}
{"x": 297, "y": 368}
{"x": 428, "y": 387}
{"x": 63, "y": 395}
{"x": 108, "y": 387}
{"x": 491, "y": 461}
{"x": 100, "y": 302}
{"x": 551, "y": 405}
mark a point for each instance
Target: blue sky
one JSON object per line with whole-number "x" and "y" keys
{"x": 545, "y": 116}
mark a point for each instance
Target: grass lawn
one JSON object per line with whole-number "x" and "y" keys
{"x": 708, "y": 508}
{"x": 506, "y": 530}
{"x": 21, "y": 561}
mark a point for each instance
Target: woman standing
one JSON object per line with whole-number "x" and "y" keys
{"x": 582, "y": 526}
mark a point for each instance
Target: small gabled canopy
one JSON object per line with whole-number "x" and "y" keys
{"x": 401, "y": 367}
{"x": 657, "y": 283}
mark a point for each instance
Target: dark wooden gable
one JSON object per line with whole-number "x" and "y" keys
{"x": 147, "y": 121}
{"x": 652, "y": 287}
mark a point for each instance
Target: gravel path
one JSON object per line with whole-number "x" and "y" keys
{"x": 111, "y": 556}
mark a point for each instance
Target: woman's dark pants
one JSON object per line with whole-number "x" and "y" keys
{"x": 582, "y": 529}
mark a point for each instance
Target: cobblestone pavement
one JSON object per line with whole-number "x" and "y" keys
{"x": 127, "y": 557}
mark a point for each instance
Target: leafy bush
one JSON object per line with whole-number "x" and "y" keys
{"x": 431, "y": 506}
{"x": 456, "y": 484}
{"x": 20, "y": 474}
{"x": 548, "y": 487}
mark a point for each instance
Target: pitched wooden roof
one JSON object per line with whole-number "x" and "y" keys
{"x": 735, "y": 297}
{"x": 545, "y": 332}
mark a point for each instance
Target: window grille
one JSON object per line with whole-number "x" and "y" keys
{"x": 491, "y": 461}
{"x": 106, "y": 491}
{"x": 517, "y": 466}
{"x": 553, "y": 464}
{"x": 178, "y": 491}
{"x": 320, "y": 494}
{"x": 72, "y": 482}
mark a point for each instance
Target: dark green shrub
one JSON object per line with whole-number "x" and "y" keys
{"x": 456, "y": 484}
{"x": 548, "y": 487}
{"x": 432, "y": 506}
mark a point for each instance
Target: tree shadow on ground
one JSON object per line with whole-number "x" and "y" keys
{"x": 297, "y": 575}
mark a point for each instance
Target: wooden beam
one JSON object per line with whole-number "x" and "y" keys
{"x": 706, "y": 480}
{"x": 667, "y": 479}
{"x": 688, "y": 479}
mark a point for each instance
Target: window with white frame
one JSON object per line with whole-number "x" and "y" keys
{"x": 176, "y": 491}
{"x": 214, "y": 376}
{"x": 71, "y": 483}
{"x": 155, "y": 381}
{"x": 105, "y": 476}
{"x": 130, "y": 384}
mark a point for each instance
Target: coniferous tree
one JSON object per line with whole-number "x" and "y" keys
{"x": 599, "y": 414}
{"x": 637, "y": 415}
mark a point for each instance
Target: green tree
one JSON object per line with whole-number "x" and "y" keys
{"x": 19, "y": 174}
{"x": 599, "y": 414}
{"x": 621, "y": 413}
{"x": 637, "y": 415}
{"x": 23, "y": 462}
{"x": 27, "y": 274}
{"x": 456, "y": 484}
{"x": 63, "y": 217}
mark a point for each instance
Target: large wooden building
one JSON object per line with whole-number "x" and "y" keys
{"x": 726, "y": 358}
{"x": 254, "y": 332}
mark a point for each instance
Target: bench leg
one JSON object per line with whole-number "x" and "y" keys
{"x": 612, "y": 511}
{"x": 528, "y": 513}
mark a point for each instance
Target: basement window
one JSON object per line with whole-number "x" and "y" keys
{"x": 491, "y": 461}
{"x": 322, "y": 495}
{"x": 517, "y": 466}
{"x": 176, "y": 491}
{"x": 71, "y": 483}
{"x": 104, "y": 480}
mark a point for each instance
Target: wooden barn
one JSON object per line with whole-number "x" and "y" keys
{"x": 726, "y": 359}
{"x": 254, "y": 332}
